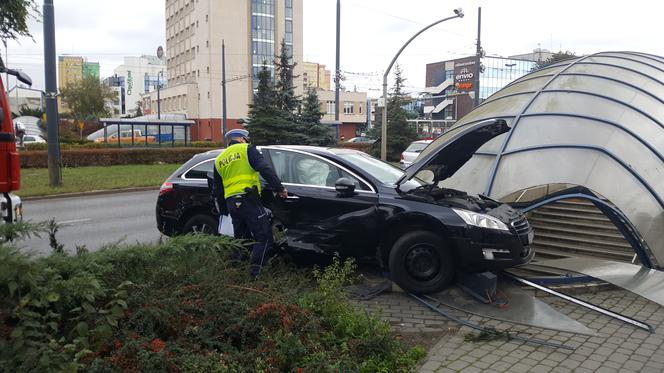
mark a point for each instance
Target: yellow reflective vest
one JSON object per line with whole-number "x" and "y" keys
{"x": 235, "y": 171}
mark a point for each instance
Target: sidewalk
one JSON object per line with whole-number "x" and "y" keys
{"x": 619, "y": 347}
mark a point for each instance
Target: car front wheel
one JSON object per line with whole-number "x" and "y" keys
{"x": 200, "y": 224}
{"x": 421, "y": 262}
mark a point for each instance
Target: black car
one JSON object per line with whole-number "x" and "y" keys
{"x": 345, "y": 201}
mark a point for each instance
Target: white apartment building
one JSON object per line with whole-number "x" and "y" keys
{"x": 251, "y": 30}
{"x": 137, "y": 75}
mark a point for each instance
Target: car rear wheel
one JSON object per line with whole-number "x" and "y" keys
{"x": 201, "y": 224}
{"x": 421, "y": 262}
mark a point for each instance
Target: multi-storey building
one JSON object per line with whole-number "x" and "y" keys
{"x": 352, "y": 111}
{"x": 137, "y": 76}
{"x": 251, "y": 30}
{"x": 71, "y": 70}
{"x": 315, "y": 75}
{"x": 452, "y": 84}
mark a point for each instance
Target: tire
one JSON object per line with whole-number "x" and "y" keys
{"x": 200, "y": 224}
{"x": 421, "y": 262}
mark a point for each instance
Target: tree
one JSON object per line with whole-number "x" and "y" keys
{"x": 14, "y": 16}
{"x": 286, "y": 99}
{"x": 87, "y": 98}
{"x": 556, "y": 57}
{"x": 316, "y": 132}
{"x": 25, "y": 110}
{"x": 267, "y": 122}
{"x": 274, "y": 115}
{"x": 399, "y": 133}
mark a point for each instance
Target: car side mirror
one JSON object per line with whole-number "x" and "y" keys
{"x": 345, "y": 187}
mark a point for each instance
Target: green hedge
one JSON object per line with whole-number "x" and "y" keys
{"x": 182, "y": 306}
{"x": 96, "y": 145}
{"x": 110, "y": 156}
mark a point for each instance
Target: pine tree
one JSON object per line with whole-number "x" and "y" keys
{"x": 286, "y": 99}
{"x": 399, "y": 133}
{"x": 266, "y": 123}
{"x": 316, "y": 132}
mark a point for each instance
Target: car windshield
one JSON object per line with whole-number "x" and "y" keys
{"x": 381, "y": 171}
{"x": 416, "y": 147}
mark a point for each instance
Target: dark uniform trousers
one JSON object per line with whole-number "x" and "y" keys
{"x": 251, "y": 221}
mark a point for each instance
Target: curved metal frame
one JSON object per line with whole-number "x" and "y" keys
{"x": 623, "y": 224}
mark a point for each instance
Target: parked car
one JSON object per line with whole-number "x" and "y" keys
{"x": 412, "y": 151}
{"x": 127, "y": 137}
{"x": 362, "y": 140}
{"x": 33, "y": 139}
{"x": 345, "y": 201}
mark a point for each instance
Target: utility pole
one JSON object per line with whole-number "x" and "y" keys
{"x": 223, "y": 89}
{"x": 52, "y": 119}
{"x": 478, "y": 57}
{"x": 337, "y": 73}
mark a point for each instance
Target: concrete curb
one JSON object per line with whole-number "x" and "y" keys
{"x": 88, "y": 193}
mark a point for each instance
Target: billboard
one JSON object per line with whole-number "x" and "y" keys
{"x": 465, "y": 70}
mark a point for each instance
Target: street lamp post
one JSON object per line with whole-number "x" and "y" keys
{"x": 160, "y": 74}
{"x": 510, "y": 65}
{"x": 383, "y": 142}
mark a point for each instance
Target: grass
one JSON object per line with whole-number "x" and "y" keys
{"x": 34, "y": 181}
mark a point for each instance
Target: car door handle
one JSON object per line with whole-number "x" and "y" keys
{"x": 291, "y": 198}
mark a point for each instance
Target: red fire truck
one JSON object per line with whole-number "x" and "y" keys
{"x": 10, "y": 167}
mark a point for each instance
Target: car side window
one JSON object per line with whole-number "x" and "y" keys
{"x": 304, "y": 169}
{"x": 200, "y": 171}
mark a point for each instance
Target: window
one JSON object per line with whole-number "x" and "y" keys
{"x": 200, "y": 170}
{"x": 348, "y": 107}
{"x": 330, "y": 107}
{"x": 305, "y": 169}
{"x": 359, "y": 108}
{"x": 206, "y": 18}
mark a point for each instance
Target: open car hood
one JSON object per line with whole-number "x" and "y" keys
{"x": 449, "y": 152}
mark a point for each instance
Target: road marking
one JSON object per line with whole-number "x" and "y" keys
{"x": 70, "y": 222}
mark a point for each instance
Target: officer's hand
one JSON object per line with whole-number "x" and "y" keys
{"x": 283, "y": 193}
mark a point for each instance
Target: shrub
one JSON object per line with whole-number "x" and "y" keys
{"x": 110, "y": 156}
{"x": 181, "y": 306}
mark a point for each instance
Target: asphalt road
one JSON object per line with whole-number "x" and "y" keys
{"x": 94, "y": 221}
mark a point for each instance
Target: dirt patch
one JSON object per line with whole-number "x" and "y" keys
{"x": 423, "y": 339}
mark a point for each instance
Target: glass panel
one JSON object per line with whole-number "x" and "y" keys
{"x": 626, "y": 63}
{"x": 618, "y": 91}
{"x": 574, "y": 103}
{"x": 645, "y": 82}
{"x": 473, "y": 177}
{"x": 524, "y": 86}
{"x": 200, "y": 171}
{"x": 509, "y": 106}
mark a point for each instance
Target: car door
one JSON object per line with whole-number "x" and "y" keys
{"x": 315, "y": 216}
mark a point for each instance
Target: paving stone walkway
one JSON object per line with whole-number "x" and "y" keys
{"x": 619, "y": 347}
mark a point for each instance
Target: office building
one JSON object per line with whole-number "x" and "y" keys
{"x": 137, "y": 76}
{"x": 251, "y": 31}
{"x": 452, "y": 84}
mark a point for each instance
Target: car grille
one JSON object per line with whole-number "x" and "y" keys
{"x": 522, "y": 228}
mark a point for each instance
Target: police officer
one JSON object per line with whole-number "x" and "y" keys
{"x": 236, "y": 181}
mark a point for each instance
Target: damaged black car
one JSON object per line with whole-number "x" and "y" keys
{"x": 347, "y": 202}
